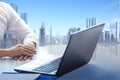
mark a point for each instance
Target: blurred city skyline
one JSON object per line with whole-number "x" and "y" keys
{"x": 64, "y": 14}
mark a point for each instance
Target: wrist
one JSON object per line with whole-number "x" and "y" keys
{"x": 8, "y": 52}
{"x": 12, "y": 52}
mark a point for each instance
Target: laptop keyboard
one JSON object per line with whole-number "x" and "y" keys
{"x": 49, "y": 67}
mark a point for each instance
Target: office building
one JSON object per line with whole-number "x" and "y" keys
{"x": 114, "y": 30}
{"x": 101, "y": 39}
{"x": 90, "y": 22}
{"x": 51, "y": 41}
{"x": 42, "y": 35}
{"x": 72, "y": 30}
{"x": 24, "y": 16}
{"x": 107, "y": 36}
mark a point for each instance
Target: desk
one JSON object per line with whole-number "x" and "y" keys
{"x": 104, "y": 65}
{"x": 96, "y": 70}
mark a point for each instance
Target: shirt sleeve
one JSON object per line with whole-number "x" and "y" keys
{"x": 18, "y": 27}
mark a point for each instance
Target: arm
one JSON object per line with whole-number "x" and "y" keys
{"x": 17, "y": 50}
{"x": 4, "y": 52}
{"x": 19, "y": 28}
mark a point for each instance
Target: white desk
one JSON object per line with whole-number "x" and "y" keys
{"x": 8, "y": 64}
{"x": 103, "y": 66}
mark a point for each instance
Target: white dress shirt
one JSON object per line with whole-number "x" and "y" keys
{"x": 11, "y": 22}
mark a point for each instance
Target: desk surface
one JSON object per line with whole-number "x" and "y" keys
{"x": 104, "y": 65}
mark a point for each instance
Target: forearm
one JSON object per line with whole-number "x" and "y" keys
{"x": 19, "y": 49}
{"x": 4, "y": 52}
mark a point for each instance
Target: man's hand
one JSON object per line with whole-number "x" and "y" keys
{"x": 23, "y": 51}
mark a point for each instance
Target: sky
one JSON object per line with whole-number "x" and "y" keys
{"x": 64, "y": 14}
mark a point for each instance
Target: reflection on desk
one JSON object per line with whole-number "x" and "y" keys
{"x": 105, "y": 65}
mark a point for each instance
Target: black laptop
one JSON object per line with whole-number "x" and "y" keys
{"x": 78, "y": 52}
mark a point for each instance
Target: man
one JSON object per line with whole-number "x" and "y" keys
{"x": 11, "y": 22}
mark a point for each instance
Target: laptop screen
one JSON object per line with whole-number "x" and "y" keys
{"x": 80, "y": 49}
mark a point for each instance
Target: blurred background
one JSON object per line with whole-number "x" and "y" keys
{"x": 53, "y": 21}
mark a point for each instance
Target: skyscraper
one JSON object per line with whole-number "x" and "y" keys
{"x": 90, "y": 22}
{"x": 93, "y": 21}
{"x": 51, "y": 35}
{"x": 24, "y": 16}
{"x": 72, "y": 30}
{"x": 87, "y": 23}
{"x": 114, "y": 29}
{"x": 42, "y": 35}
{"x": 107, "y": 36}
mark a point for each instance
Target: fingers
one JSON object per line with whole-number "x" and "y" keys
{"x": 25, "y": 58}
{"x": 26, "y": 50}
{"x": 29, "y": 49}
{"x": 21, "y": 57}
{"x": 22, "y": 52}
{"x": 16, "y": 57}
{"x": 31, "y": 44}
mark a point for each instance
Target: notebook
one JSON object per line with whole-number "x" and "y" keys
{"x": 78, "y": 52}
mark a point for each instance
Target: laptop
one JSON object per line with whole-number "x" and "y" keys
{"x": 78, "y": 52}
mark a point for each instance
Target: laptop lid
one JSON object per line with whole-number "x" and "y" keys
{"x": 80, "y": 49}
